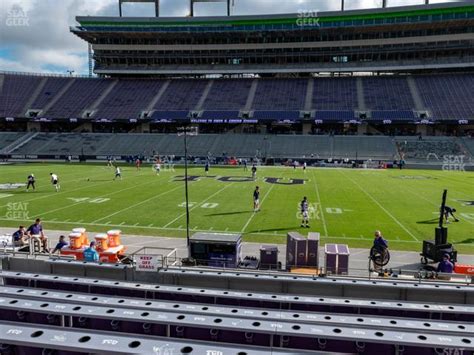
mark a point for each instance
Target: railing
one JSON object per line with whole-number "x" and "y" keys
{"x": 167, "y": 257}
{"x": 420, "y": 275}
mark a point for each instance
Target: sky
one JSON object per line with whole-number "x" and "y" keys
{"x": 35, "y": 37}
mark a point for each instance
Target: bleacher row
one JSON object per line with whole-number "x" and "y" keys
{"x": 237, "y": 145}
{"x": 69, "y": 312}
{"x": 446, "y": 96}
{"x": 217, "y": 145}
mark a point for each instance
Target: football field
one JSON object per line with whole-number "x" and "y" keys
{"x": 346, "y": 205}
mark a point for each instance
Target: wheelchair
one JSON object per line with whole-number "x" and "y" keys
{"x": 380, "y": 257}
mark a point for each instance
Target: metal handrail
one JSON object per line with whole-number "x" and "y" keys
{"x": 417, "y": 275}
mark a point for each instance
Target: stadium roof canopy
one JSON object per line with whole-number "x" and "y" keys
{"x": 397, "y": 38}
{"x": 277, "y": 19}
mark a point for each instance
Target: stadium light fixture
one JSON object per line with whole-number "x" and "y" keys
{"x": 156, "y": 2}
{"x": 192, "y": 2}
{"x": 230, "y": 3}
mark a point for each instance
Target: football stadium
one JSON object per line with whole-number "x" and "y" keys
{"x": 230, "y": 184}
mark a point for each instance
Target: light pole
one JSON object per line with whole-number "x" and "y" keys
{"x": 70, "y": 72}
{"x": 191, "y": 131}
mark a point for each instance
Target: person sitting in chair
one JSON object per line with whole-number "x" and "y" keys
{"x": 445, "y": 267}
{"x": 379, "y": 242}
{"x": 19, "y": 237}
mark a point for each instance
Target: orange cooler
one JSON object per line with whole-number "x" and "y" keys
{"x": 464, "y": 269}
{"x": 84, "y": 239}
{"x": 101, "y": 241}
{"x": 75, "y": 240}
{"x": 114, "y": 238}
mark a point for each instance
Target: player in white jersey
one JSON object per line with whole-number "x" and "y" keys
{"x": 55, "y": 181}
{"x": 158, "y": 168}
{"x": 118, "y": 173}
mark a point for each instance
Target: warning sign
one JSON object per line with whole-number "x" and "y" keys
{"x": 147, "y": 263}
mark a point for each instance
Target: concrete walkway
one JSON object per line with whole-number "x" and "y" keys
{"x": 358, "y": 259}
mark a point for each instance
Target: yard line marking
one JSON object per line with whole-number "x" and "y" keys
{"x": 198, "y": 205}
{"x": 180, "y": 226}
{"x": 211, "y": 228}
{"x": 109, "y": 222}
{"x": 78, "y": 203}
{"x": 227, "y": 229}
{"x": 80, "y": 221}
{"x": 320, "y": 204}
{"x": 61, "y": 192}
{"x": 381, "y": 207}
{"x": 150, "y": 225}
{"x": 136, "y": 204}
{"x": 121, "y": 224}
{"x": 67, "y": 220}
{"x": 136, "y": 224}
{"x": 46, "y": 172}
{"x": 254, "y": 213}
{"x": 233, "y": 232}
{"x": 434, "y": 204}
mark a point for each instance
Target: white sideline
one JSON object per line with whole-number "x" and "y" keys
{"x": 253, "y": 214}
{"x": 320, "y": 204}
{"x": 217, "y": 231}
{"x": 202, "y": 230}
{"x": 78, "y": 203}
{"x": 137, "y": 204}
{"x": 383, "y": 208}
{"x": 62, "y": 192}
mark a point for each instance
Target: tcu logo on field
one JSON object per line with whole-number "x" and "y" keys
{"x": 268, "y": 180}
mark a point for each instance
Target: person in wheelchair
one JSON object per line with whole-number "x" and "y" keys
{"x": 379, "y": 253}
{"x": 379, "y": 242}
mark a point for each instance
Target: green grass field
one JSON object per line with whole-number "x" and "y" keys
{"x": 346, "y": 205}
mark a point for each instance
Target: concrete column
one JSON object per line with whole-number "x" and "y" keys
{"x": 143, "y": 128}
{"x": 85, "y": 127}
{"x": 33, "y": 126}
{"x": 306, "y": 128}
{"x": 362, "y": 129}
{"x": 422, "y": 129}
